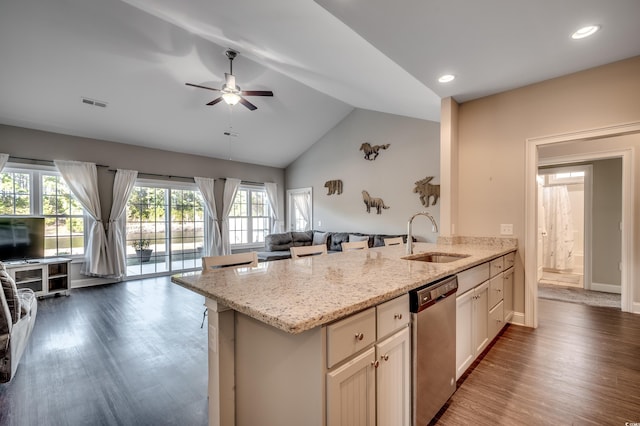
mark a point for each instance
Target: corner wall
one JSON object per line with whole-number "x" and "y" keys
{"x": 492, "y": 141}
{"x": 414, "y": 154}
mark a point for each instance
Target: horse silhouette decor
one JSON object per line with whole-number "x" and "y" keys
{"x": 371, "y": 152}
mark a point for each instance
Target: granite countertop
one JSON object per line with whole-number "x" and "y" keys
{"x": 301, "y": 294}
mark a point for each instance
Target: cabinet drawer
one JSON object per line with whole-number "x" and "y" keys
{"x": 350, "y": 335}
{"x": 509, "y": 260}
{"x": 496, "y": 266}
{"x": 472, "y": 277}
{"x": 392, "y": 315}
{"x": 496, "y": 320}
{"x": 496, "y": 290}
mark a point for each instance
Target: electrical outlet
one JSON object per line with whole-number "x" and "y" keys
{"x": 506, "y": 229}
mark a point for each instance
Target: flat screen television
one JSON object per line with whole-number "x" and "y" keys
{"x": 21, "y": 238}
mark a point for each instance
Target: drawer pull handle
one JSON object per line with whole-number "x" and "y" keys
{"x": 359, "y": 336}
{"x": 397, "y": 316}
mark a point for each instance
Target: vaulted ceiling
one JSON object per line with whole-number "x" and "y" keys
{"x": 321, "y": 59}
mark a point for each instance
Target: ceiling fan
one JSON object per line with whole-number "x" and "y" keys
{"x": 231, "y": 93}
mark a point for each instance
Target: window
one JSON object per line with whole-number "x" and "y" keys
{"x": 165, "y": 228}
{"x": 250, "y": 217}
{"x": 43, "y": 192}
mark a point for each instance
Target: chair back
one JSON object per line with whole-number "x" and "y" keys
{"x": 302, "y": 251}
{"x": 236, "y": 260}
{"x": 395, "y": 241}
{"x": 355, "y": 245}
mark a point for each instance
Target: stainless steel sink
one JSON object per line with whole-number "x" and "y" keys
{"x": 436, "y": 257}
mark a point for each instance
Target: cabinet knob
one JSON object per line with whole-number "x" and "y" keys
{"x": 359, "y": 336}
{"x": 384, "y": 357}
{"x": 397, "y": 316}
{"x": 375, "y": 363}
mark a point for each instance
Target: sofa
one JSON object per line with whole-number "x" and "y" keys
{"x": 18, "y": 309}
{"x": 277, "y": 245}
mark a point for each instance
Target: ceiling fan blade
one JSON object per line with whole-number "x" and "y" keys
{"x": 257, "y": 93}
{"x": 215, "y": 101}
{"x": 202, "y": 87}
{"x": 248, "y": 104}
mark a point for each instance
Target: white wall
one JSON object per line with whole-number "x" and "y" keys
{"x": 414, "y": 154}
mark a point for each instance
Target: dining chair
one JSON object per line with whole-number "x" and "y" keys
{"x": 355, "y": 245}
{"x": 395, "y": 241}
{"x": 303, "y": 251}
{"x": 236, "y": 260}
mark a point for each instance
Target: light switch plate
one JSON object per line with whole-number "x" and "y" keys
{"x": 506, "y": 229}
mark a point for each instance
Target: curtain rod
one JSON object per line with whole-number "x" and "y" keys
{"x": 26, "y": 160}
{"x": 246, "y": 182}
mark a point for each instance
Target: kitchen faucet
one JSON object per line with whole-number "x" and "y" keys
{"x": 409, "y": 237}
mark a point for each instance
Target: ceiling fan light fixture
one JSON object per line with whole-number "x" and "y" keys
{"x": 231, "y": 98}
{"x": 446, "y": 78}
{"x": 585, "y": 32}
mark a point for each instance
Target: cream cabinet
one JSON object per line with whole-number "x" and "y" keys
{"x": 472, "y": 327}
{"x": 393, "y": 380}
{"x": 44, "y": 276}
{"x": 484, "y": 304}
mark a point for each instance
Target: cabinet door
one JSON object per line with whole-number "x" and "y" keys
{"x": 496, "y": 288}
{"x": 465, "y": 349}
{"x": 351, "y": 392}
{"x": 393, "y": 381}
{"x": 496, "y": 320}
{"x": 481, "y": 317}
{"x": 508, "y": 295}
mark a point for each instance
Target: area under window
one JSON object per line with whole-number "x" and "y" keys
{"x": 250, "y": 217}
{"x": 43, "y": 192}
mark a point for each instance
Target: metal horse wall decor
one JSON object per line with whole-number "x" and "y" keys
{"x": 372, "y": 150}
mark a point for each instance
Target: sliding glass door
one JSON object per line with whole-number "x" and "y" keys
{"x": 165, "y": 229}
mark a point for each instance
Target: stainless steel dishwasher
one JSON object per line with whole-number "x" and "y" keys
{"x": 433, "y": 317}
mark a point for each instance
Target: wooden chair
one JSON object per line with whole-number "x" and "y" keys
{"x": 393, "y": 241}
{"x": 303, "y": 251}
{"x": 355, "y": 245}
{"x": 236, "y": 260}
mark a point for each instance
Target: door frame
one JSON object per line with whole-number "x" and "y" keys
{"x": 531, "y": 211}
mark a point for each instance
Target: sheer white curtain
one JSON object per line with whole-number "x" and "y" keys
{"x": 230, "y": 190}
{"x": 557, "y": 246}
{"x": 82, "y": 179}
{"x": 3, "y": 160}
{"x": 212, "y": 244}
{"x": 123, "y": 184}
{"x": 272, "y": 195}
{"x": 302, "y": 202}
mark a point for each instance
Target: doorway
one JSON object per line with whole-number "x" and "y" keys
{"x": 577, "y": 142}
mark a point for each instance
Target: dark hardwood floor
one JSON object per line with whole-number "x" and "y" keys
{"x": 131, "y": 353}
{"x": 581, "y": 366}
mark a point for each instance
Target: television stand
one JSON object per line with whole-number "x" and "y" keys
{"x": 48, "y": 276}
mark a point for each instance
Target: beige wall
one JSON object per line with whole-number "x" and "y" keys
{"x": 414, "y": 154}
{"x": 492, "y": 134}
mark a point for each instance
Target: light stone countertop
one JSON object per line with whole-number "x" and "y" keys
{"x": 298, "y": 295}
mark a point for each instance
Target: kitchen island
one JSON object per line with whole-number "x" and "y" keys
{"x": 268, "y": 324}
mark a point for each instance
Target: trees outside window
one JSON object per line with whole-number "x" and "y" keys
{"x": 250, "y": 217}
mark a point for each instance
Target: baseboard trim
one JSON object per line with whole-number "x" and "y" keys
{"x": 606, "y": 288}
{"x": 635, "y": 308}
{"x": 517, "y": 318}
{"x": 90, "y": 282}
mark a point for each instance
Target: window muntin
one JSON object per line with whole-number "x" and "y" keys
{"x": 250, "y": 217}
{"x": 43, "y": 192}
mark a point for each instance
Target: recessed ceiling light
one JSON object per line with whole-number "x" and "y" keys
{"x": 585, "y": 32}
{"x": 446, "y": 78}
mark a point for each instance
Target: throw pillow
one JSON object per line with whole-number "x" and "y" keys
{"x": 11, "y": 294}
{"x": 320, "y": 238}
{"x": 355, "y": 238}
